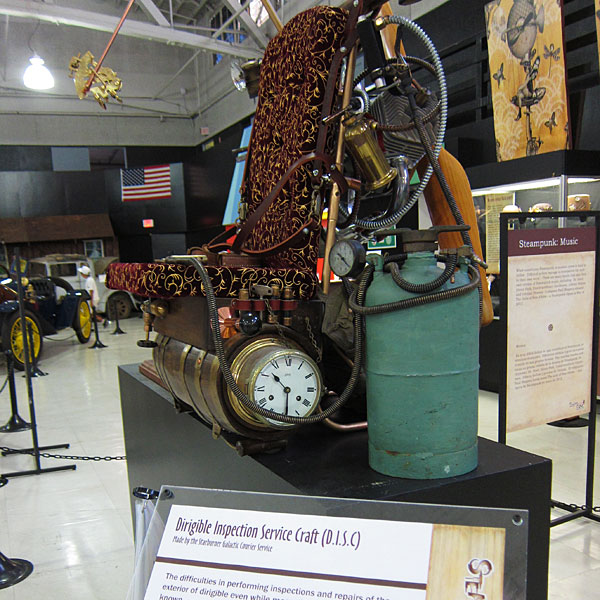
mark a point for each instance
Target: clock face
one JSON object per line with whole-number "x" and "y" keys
{"x": 347, "y": 258}
{"x": 286, "y": 382}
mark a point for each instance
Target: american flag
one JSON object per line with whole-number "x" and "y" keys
{"x": 146, "y": 183}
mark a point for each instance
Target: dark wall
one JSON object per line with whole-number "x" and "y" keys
{"x": 140, "y": 156}
{"x": 126, "y": 217}
{"x": 25, "y": 158}
{"x": 207, "y": 181}
{"x": 135, "y": 248}
{"x": 46, "y": 193}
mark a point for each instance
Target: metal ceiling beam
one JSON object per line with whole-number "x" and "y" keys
{"x": 249, "y": 25}
{"x": 151, "y": 9}
{"x": 90, "y": 20}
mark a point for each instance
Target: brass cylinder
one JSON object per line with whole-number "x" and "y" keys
{"x": 362, "y": 144}
{"x": 251, "y": 69}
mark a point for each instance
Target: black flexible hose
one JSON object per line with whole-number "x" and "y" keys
{"x": 444, "y": 185}
{"x": 357, "y": 307}
{"x": 422, "y": 288}
{"x": 226, "y": 369}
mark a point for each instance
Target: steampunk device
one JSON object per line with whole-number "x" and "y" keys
{"x": 247, "y": 336}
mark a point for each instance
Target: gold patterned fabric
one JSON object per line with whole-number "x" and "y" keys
{"x": 166, "y": 280}
{"x": 293, "y": 80}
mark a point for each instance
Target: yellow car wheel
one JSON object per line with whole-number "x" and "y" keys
{"x": 12, "y": 338}
{"x": 83, "y": 322}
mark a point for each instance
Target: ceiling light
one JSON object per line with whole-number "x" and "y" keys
{"x": 37, "y": 76}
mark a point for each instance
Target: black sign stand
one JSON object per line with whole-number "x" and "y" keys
{"x": 506, "y": 219}
{"x": 114, "y": 312}
{"x": 35, "y": 450}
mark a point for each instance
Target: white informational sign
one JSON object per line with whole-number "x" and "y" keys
{"x": 227, "y": 554}
{"x": 550, "y": 324}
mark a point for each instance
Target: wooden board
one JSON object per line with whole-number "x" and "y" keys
{"x": 527, "y": 77}
{"x": 466, "y": 562}
{"x": 440, "y": 214}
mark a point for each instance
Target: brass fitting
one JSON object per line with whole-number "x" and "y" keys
{"x": 159, "y": 308}
{"x": 362, "y": 143}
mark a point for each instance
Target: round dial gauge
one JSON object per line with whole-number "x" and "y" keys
{"x": 286, "y": 382}
{"x": 279, "y": 379}
{"x": 347, "y": 258}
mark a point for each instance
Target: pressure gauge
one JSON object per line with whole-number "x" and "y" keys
{"x": 284, "y": 381}
{"x": 347, "y": 258}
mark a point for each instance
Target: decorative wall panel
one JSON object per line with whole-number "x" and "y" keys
{"x": 527, "y": 77}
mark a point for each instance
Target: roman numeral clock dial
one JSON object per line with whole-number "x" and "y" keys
{"x": 287, "y": 383}
{"x": 280, "y": 379}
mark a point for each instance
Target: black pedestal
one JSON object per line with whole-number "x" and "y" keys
{"x": 164, "y": 447}
{"x": 490, "y": 338}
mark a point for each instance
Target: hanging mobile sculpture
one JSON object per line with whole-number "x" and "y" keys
{"x": 91, "y": 76}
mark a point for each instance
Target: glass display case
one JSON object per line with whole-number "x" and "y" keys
{"x": 561, "y": 193}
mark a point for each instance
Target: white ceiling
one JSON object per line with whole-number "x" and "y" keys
{"x": 163, "y": 54}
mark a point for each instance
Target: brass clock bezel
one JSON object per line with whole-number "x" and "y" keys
{"x": 248, "y": 364}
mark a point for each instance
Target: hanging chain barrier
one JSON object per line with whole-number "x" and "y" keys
{"x": 62, "y": 456}
{"x": 575, "y": 507}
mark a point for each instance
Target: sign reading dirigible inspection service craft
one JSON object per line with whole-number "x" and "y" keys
{"x": 550, "y": 324}
{"x": 227, "y": 554}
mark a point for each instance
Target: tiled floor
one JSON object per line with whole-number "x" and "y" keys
{"x": 75, "y": 526}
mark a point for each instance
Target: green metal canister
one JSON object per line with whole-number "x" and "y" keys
{"x": 422, "y": 366}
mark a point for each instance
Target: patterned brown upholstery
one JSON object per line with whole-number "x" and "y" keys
{"x": 293, "y": 78}
{"x": 166, "y": 280}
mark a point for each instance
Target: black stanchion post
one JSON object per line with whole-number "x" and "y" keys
{"x": 35, "y": 370}
{"x": 97, "y": 343}
{"x": 35, "y": 451}
{"x": 13, "y": 570}
{"x": 115, "y": 311}
{"x": 15, "y": 423}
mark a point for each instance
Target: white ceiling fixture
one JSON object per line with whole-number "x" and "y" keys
{"x": 37, "y": 76}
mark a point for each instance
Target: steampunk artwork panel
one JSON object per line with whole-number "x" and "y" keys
{"x": 527, "y": 77}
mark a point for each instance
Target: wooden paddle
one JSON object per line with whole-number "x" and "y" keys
{"x": 440, "y": 214}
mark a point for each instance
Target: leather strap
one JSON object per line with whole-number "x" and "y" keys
{"x": 253, "y": 219}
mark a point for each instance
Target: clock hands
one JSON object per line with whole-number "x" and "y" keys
{"x": 286, "y": 389}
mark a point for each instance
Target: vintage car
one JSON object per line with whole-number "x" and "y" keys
{"x": 113, "y": 303}
{"x": 46, "y": 312}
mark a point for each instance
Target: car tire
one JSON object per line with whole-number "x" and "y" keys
{"x": 119, "y": 303}
{"x": 82, "y": 321}
{"x": 12, "y": 337}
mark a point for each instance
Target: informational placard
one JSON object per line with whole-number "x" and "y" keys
{"x": 233, "y": 554}
{"x": 549, "y": 325}
{"x": 494, "y": 203}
